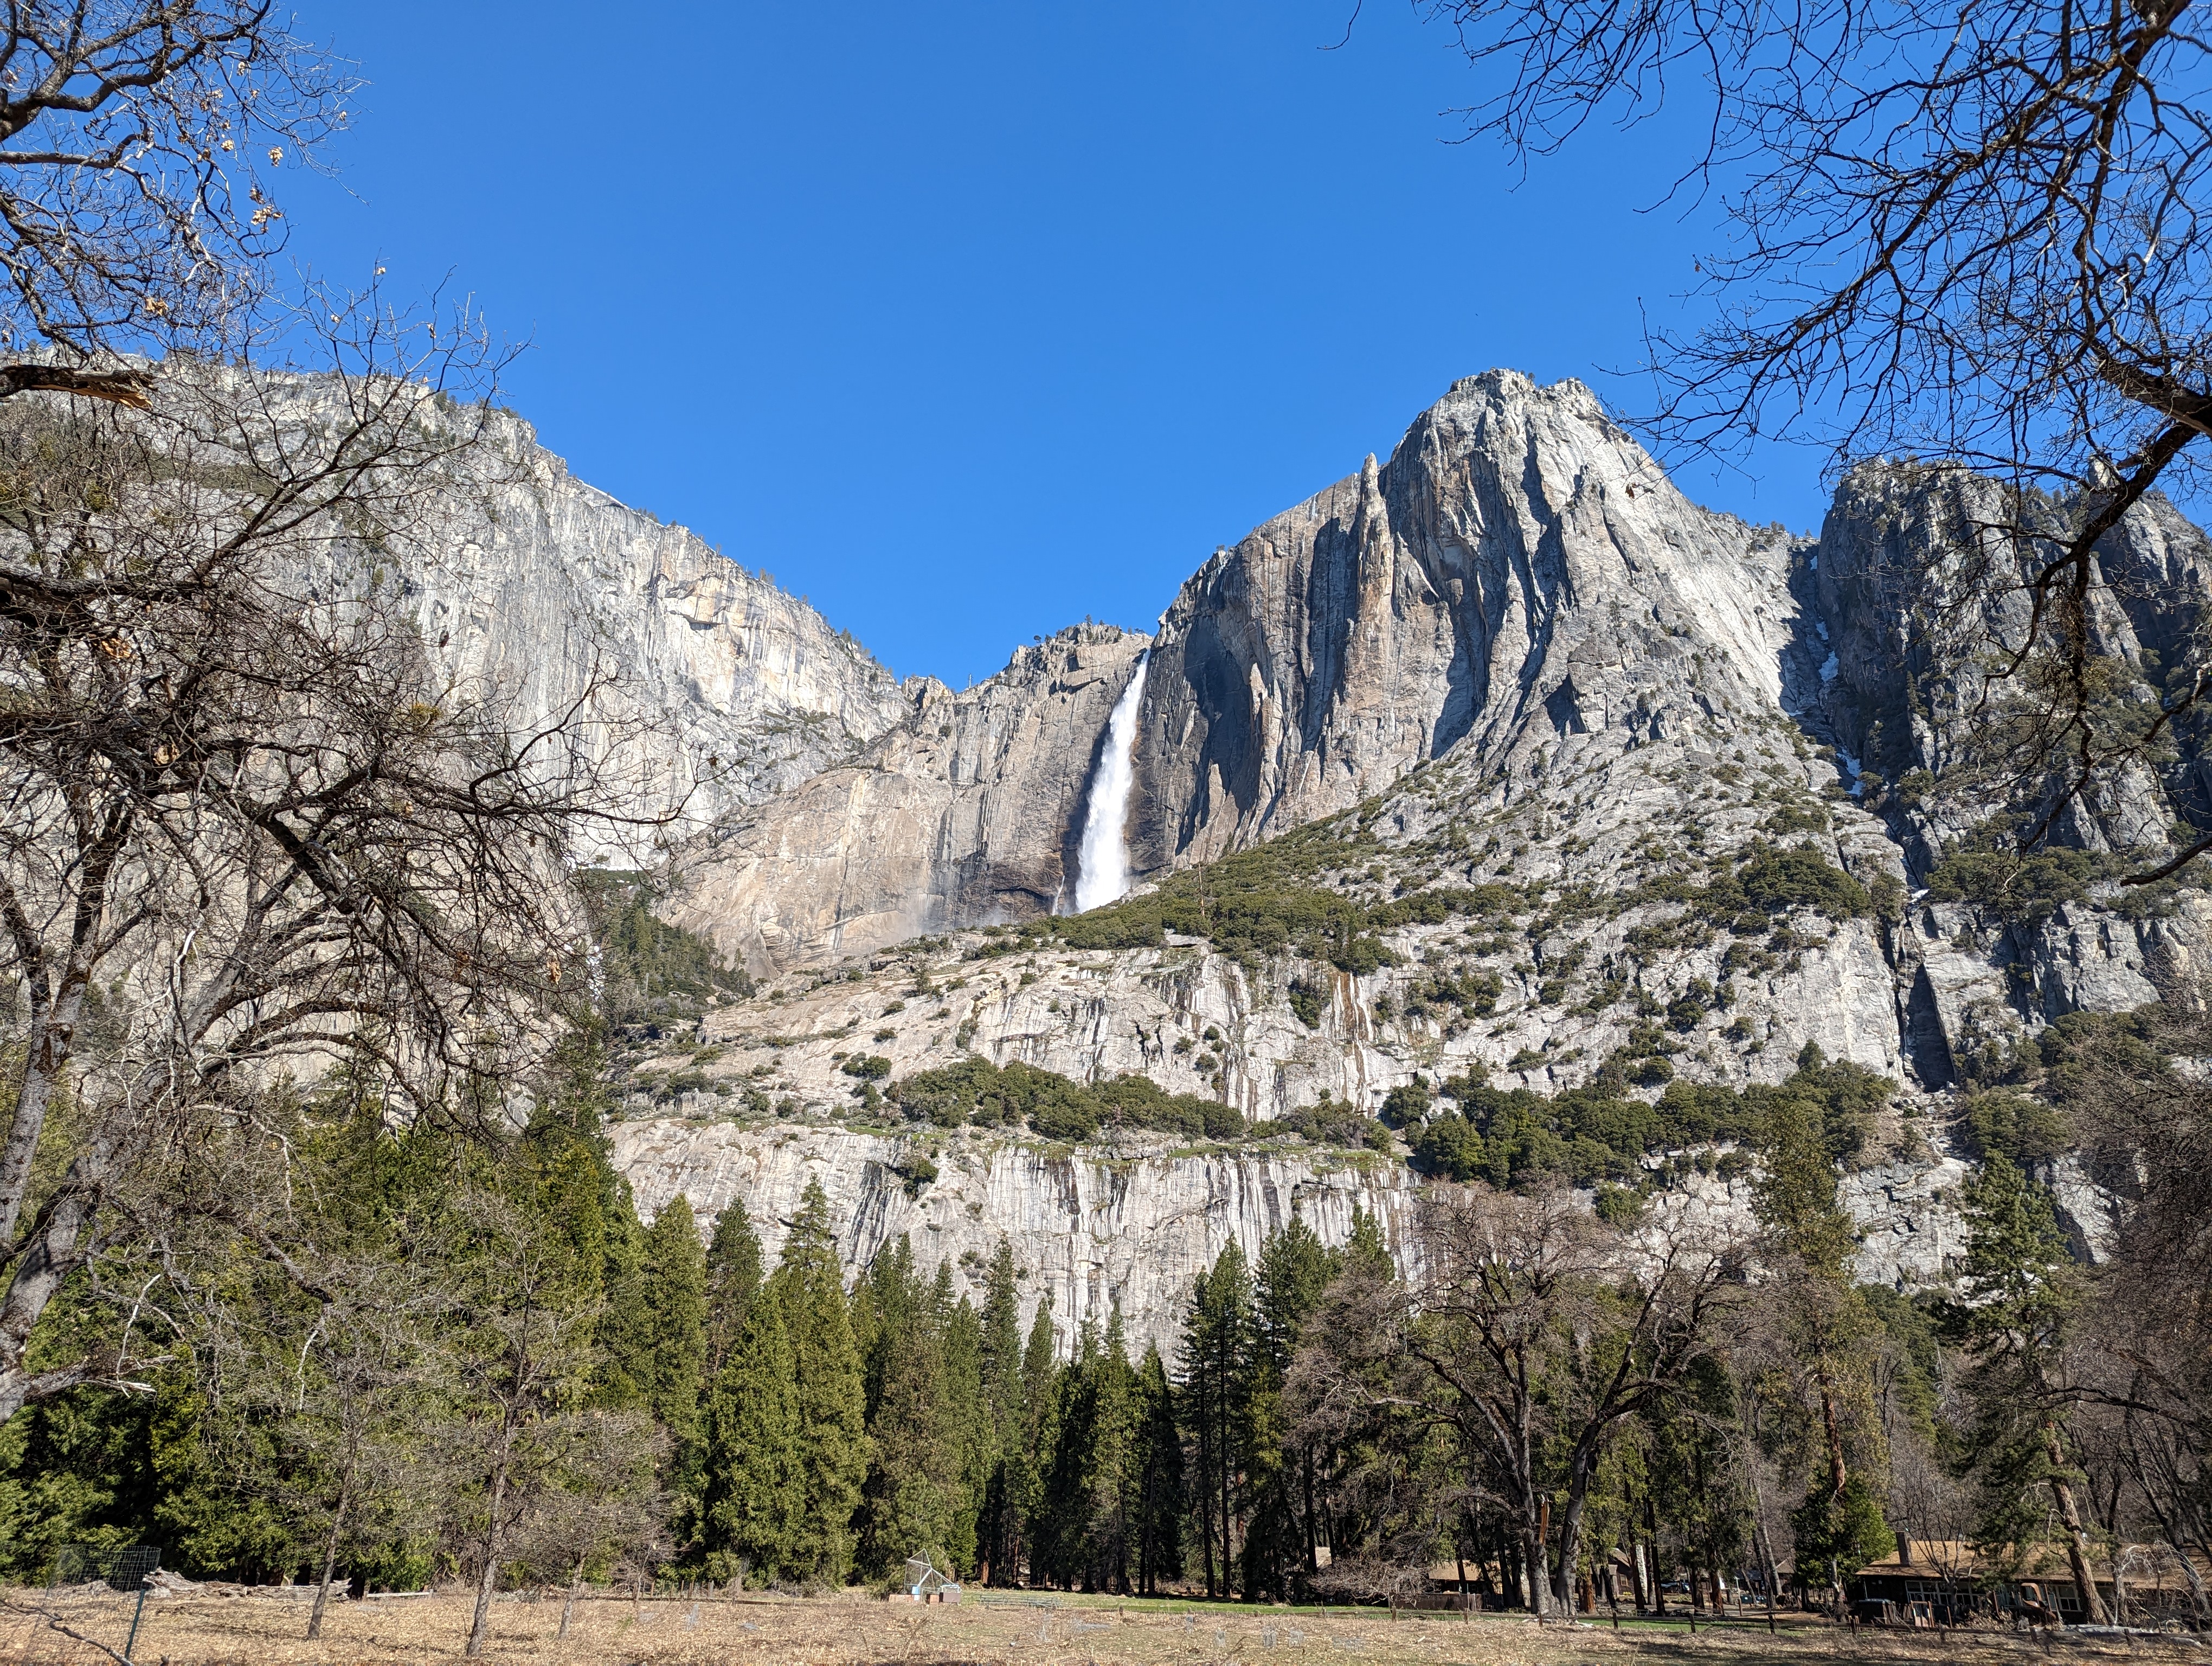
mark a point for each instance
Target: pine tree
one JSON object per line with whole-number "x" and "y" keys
{"x": 755, "y": 1484}
{"x": 1040, "y": 1423}
{"x": 1160, "y": 1502}
{"x": 1828, "y": 1320}
{"x": 673, "y": 1365}
{"x": 2020, "y": 1296}
{"x": 999, "y": 1524}
{"x": 973, "y": 1432}
{"x": 1214, "y": 1360}
{"x": 808, "y": 1286}
{"x": 1295, "y": 1268}
{"x": 734, "y": 1278}
{"x": 1367, "y": 1250}
{"x": 916, "y": 1486}
{"x": 1112, "y": 1474}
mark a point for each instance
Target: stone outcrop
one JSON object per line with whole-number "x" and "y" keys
{"x": 1520, "y": 571}
{"x": 1513, "y": 655}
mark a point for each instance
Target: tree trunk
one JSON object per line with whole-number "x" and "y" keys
{"x": 1222, "y": 1401}
{"x": 480, "y": 1626}
{"x": 1206, "y": 1521}
{"x": 1536, "y": 1562}
{"x": 575, "y": 1584}
{"x": 1564, "y": 1588}
{"x": 1306, "y": 1486}
{"x": 45, "y": 1061}
{"x": 2078, "y": 1539}
{"x": 1836, "y": 1473}
{"x": 330, "y": 1567}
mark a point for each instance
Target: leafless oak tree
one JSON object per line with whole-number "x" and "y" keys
{"x": 243, "y": 825}
{"x": 1532, "y": 1334}
{"x": 139, "y": 144}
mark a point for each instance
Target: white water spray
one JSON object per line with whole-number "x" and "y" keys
{"x": 1102, "y": 871}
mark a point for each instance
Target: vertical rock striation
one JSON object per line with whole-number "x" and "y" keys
{"x": 1520, "y": 571}
{"x": 721, "y": 690}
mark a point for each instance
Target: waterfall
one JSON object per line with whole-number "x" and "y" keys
{"x": 1101, "y": 862}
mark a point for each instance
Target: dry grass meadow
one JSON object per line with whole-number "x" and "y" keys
{"x": 852, "y": 1630}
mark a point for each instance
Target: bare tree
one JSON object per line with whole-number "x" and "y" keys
{"x": 524, "y": 1436}
{"x": 1970, "y": 235}
{"x": 245, "y": 825}
{"x": 139, "y": 144}
{"x": 1534, "y": 1333}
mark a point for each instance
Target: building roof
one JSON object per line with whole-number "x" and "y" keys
{"x": 1956, "y": 1560}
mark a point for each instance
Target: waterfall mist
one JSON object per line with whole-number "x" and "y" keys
{"x": 1102, "y": 872}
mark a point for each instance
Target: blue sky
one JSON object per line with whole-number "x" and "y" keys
{"x": 967, "y": 322}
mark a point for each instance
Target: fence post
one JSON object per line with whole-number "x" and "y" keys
{"x": 136, "y": 1615}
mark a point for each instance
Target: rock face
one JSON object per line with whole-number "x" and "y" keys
{"x": 967, "y": 812}
{"x": 1512, "y": 657}
{"x": 721, "y": 690}
{"x": 1090, "y": 1233}
{"x": 1520, "y": 571}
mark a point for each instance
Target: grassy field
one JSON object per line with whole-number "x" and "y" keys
{"x": 835, "y": 1631}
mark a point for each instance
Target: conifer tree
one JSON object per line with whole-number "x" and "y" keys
{"x": 1062, "y": 1513}
{"x": 2020, "y": 1296}
{"x": 1160, "y": 1504}
{"x": 1366, "y": 1250}
{"x": 1295, "y": 1268}
{"x": 1840, "y": 1521}
{"x": 915, "y": 1484}
{"x": 672, "y": 1362}
{"x": 755, "y": 1484}
{"x": 734, "y": 1278}
{"x": 1040, "y": 1375}
{"x": 976, "y": 1443}
{"x": 1113, "y": 1466}
{"x": 1214, "y": 1360}
{"x": 808, "y": 1287}
{"x": 1001, "y": 1406}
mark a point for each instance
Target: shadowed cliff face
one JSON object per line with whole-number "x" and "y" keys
{"x": 1520, "y": 571}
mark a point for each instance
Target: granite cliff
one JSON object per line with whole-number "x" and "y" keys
{"x": 724, "y": 690}
{"x": 1604, "y": 790}
{"x": 965, "y": 811}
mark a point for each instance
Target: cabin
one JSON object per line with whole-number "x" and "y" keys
{"x": 1945, "y": 1581}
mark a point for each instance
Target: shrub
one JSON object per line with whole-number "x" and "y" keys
{"x": 2020, "y": 887}
{"x": 1330, "y": 1123}
{"x": 867, "y": 1066}
{"x": 1406, "y": 1103}
{"x": 2011, "y": 1125}
{"x": 1307, "y": 1001}
{"x": 1270, "y": 900}
{"x": 976, "y": 1091}
{"x": 1618, "y": 1206}
{"x": 1778, "y": 880}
